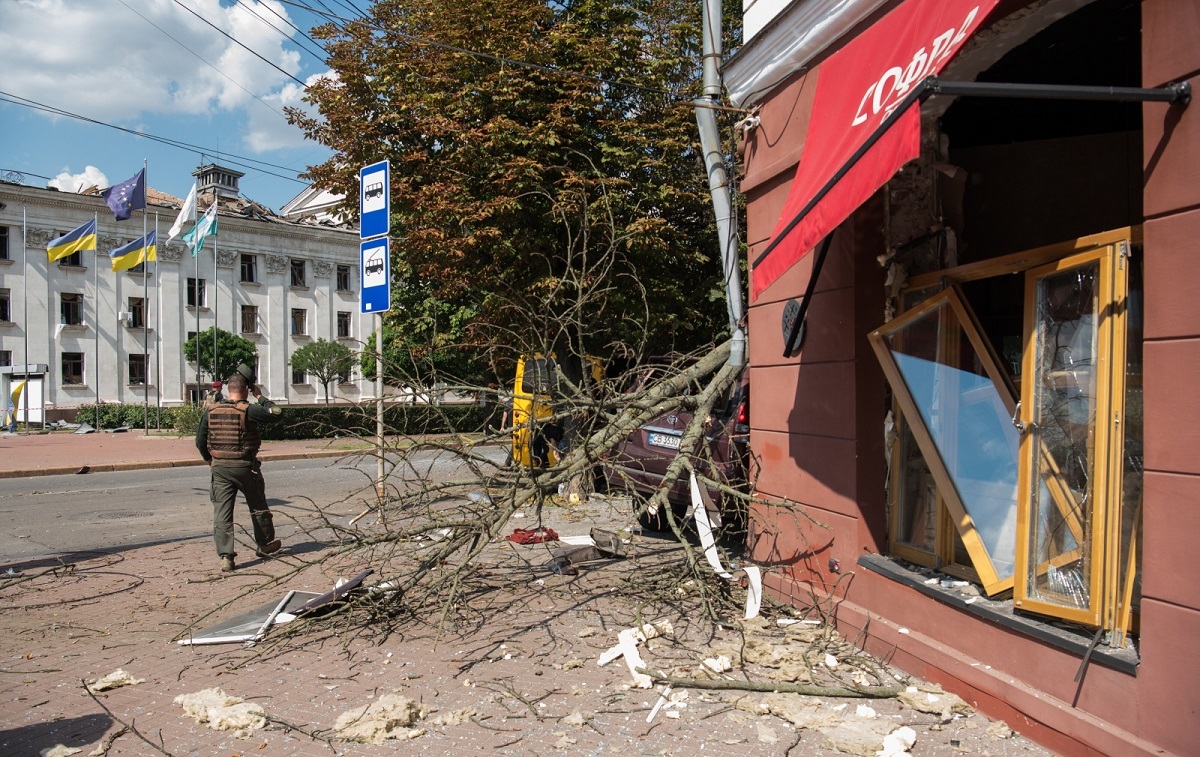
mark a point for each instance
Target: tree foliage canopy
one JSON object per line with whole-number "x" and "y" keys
{"x": 508, "y": 180}
{"x": 231, "y": 350}
{"x": 326, "y": 360}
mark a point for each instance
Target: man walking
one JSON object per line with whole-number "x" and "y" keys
{"x": 228, "y": 440}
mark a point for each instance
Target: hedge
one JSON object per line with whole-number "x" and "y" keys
{"x": 311, "y": 421}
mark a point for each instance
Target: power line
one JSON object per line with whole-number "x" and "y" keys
{"x": 288, "y": 21}
{"x": 231, "y": 158}
{"x": 202, "y": 60}
{"x": 239, "y": 44}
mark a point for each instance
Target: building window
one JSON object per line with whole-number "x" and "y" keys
{"x": 74, "y": 260}
{"x": 5, "y": 306}
{"x": 137, "y": 313}
{"x": 137, "y": 370}
{"x": 299, "y": 377}
{"x": 343, "y": 324}
{"x": 195, "y": 293}
{"x": 4, "y": 243}
{"x": 343, "y": 278}
{"x": 298, "y": 273}
{"x": 71, "y": 309}
{"x": 299, "y": 322}
{"x": 72, "y": 368}
{"x": 249, "y": 319}
{"x": 1018, "y": 453}
{"x": 5, "y": 357}
{"x": 191, "y": 335}
{"x": 249, "y": 269}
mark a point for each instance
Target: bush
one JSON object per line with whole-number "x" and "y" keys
{"x": 115, "y": 415}
{"x": 323, "y": 421}
{"x": 311, "y": 421}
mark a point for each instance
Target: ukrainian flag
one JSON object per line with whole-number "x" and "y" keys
{"x": 138, "y": 251}
{"x": 83, "y": 238}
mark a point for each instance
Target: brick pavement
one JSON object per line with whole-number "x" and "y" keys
{"x": 520, "y": 653}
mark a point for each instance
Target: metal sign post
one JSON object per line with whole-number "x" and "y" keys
{"x": 375, "y": 283}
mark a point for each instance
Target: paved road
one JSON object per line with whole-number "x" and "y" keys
{"x": 58, "y": 514}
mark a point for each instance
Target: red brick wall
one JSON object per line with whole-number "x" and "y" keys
{"x": 1168, "y": 703}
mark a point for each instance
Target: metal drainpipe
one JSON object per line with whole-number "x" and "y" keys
{"x": 718, "y": 178}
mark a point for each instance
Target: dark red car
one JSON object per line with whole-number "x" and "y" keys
{"x": 640, "y": 462}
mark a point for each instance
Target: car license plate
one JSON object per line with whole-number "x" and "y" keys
{"x": 670, "y": 441}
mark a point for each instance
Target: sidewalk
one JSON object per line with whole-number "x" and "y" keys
{"x": 512, "y": 670}
{"x": 59, "y": 452}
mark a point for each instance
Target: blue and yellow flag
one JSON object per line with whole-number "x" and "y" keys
{"x": 83, "y": 238}
{"x": 126, "y": 197}
{"x": 138, "y": 251}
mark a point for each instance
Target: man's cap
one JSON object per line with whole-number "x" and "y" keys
{"x": 248, "y": 372}
{"x": 216, "y": 385}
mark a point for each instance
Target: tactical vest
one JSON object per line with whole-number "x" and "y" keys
{"x": 230, "y": 435}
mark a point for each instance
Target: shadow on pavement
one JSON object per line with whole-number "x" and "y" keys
{"x": 72, "y": 732}
{"x": 62, "y": 558}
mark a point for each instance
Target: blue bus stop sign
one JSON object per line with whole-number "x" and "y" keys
{"x": 374, "y": 200}
{"x": 375, "y": 294}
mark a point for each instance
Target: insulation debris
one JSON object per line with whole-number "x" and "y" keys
{"x": 898, "y": 742}
{"x": 391, "y": 716}
{"x": 932, "y": 699}
{"x": 59, "y": 750}
{"x": 223, "y": 712}
{"x": 114, "y": 680}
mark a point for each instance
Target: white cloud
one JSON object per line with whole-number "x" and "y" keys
{"x": 74, "y": 182}
{"x": 103, "y": 61}
{"x": 269, "y": 132}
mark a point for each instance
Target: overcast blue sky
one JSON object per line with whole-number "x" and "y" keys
{"x": 184, "y": 80}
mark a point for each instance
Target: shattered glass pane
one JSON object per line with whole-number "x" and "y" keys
{"x": 1059, "y": 568}
{"x": 967, "y": 420}
{"x": 917, "y": 505}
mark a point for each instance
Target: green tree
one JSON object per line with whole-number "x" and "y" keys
{"x": 328, "y": 361}
{"x": 231, "y": 350}
{"x": 509, "y": 180}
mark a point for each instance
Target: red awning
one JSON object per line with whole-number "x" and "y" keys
{"x": 865, "y": 124}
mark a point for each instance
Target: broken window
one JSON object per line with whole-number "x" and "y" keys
{"x": 1041, "y": 496}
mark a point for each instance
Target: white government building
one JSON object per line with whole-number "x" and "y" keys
{"x": 281, "y": 281}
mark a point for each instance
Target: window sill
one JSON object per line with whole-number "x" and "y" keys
{"x": 74, "y": 386}
{"x": 1071, "y": 639}
{"x": 7, "y": 324}
{"x": 6, "y": 261}
{"x": 139, "y": 386}
{"x": 73, "y": 267}
{"x": 80, "y": 327}
{"x": 253, "y": 336}
{"x": 346, "y": 338}
{"x": 299, "y": 287}
{"x": 139, "y": 329}
{"x": 344, "y": 291}
{"x": 203, "y": 308}
{"x": 254, "y": 284}
{"x": 301, "y": 337}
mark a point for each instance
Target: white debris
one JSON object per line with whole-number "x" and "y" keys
{"x": 626, "y": 647}
{"x": 586, "y": 633}
{"x": 391, "y": 716}
{"x": 865, "y": 711}
{"x": 223, "y": 712}
{"x": 903, "y": 630}
{"x": 830, "y": 661}
{"x": 898, "y": 742}
{"x": 793, "y": 621}
{"x": 718, "y": 664}
{"x": 59, "y": 750}
{"x": 1000, "y": 730}
{"x": 662, "y": 699}
{"x": 114, "y": 680}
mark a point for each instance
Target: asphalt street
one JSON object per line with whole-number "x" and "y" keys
{"x": 120, "y": 510}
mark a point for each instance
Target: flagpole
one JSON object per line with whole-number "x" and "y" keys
{"x": 96, "y": 314}
{"x": 145, "y": 304}
{"x": 25, "y": 302}
{"x": 216, "y": 289}
{"x": 157, "y": 338}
